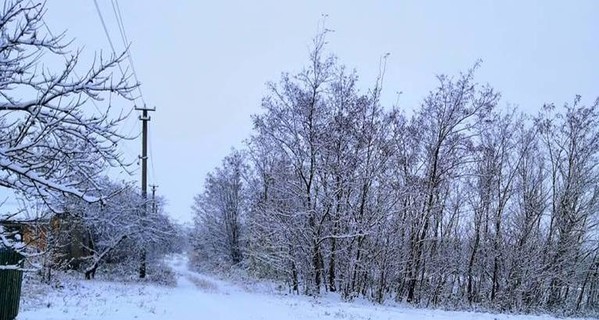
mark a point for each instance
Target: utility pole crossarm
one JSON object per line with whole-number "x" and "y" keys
{"x": 145, "y": 108}
{"x": 145, "y": 116}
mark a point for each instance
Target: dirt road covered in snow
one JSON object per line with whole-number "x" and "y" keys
{"x": 198, "y": 296}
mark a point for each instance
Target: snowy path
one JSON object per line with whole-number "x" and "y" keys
{"x": 201, "y": 297}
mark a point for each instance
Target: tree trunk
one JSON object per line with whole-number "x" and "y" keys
{"x": 331, "y": 275}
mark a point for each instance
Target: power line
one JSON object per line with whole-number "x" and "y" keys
{"x": 107, "y": 34}
{"x": 119, "y": 19}
{"x": 121, "y": 25}
{"x": 151, "y": 156}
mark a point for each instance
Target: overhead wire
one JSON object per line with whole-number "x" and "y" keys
{"x": 119, "y": 19}
{"x": 126, "y": 45}
{"x": 118, "y": 16}
{"x": 107, "y": 33}
{"x": 151, "y": 155}
{"x": 121, "y": 25}
{"x": 105, "y": 28}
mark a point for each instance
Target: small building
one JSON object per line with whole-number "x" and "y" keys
{"x": 34, "y": 233}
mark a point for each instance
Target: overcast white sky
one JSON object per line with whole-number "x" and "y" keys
{"x": 204, "y": 64}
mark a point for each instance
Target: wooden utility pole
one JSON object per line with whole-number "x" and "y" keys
{"x": 145, "y": 118}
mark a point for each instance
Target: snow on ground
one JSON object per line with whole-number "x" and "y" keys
{"x": 198, "y": 296}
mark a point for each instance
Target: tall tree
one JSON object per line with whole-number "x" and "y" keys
{"x": 220, "y": 210}
{"x": 572, "y": 142}
{"x": 446, "y": 119}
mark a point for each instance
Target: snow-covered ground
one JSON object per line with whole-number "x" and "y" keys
{"x": 198, "y": 296}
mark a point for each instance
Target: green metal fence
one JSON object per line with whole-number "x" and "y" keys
{"x": 10, "y": 283}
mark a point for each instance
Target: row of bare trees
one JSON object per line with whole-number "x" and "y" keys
{"x": 459, "y": 204}
{"x": 84, "y": 236}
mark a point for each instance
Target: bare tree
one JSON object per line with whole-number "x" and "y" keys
{"x": 219, "y": 212}
{"x": 89, "y": 235}
{"x": 446, "y": 118}
{"x": 572, "y": 144}
{"x": 293, "y": 122}
{"x": 52, "y": 141}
